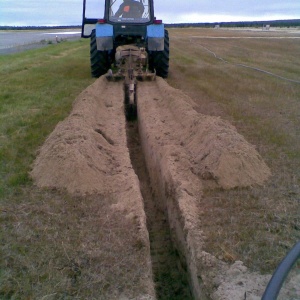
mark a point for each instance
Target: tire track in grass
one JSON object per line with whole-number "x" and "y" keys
{"x": 248, "y": 67}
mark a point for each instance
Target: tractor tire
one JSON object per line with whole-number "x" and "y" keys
{"x": 159, "y": 60}
{"x": 99, "y": 59}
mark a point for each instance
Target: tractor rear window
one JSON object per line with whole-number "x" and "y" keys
{"x": 129, "y": 11}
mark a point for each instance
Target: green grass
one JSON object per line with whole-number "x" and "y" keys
{"x": 51, "y": 245}
{"x": 37, "y": 91}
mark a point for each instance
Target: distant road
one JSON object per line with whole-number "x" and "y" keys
{"x": 19, "y": 40}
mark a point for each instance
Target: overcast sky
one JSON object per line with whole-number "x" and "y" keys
{"x": 69, "y": 12}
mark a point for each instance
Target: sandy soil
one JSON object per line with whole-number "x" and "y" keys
{"x": 185, "y": 152}
{"x": 87, "y": 154}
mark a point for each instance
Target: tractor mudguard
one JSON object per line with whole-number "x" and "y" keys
{"x": 104, "y": 37}
{"x": 156, "y": 36}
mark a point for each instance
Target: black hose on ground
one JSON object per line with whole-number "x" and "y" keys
{"x": 281, "y": 273}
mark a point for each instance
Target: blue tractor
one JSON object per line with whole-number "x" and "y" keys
{"x": 125, "y": 22}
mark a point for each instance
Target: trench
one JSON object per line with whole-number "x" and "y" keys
{"x": 170, "y": 278}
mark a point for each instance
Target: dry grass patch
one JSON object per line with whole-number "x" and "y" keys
{"x": 68, "y": 248}
{"x": 54, "y": 246}
{"x": 256, "y": 225}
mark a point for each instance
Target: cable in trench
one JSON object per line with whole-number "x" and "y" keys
{"x": 171, "y": 281}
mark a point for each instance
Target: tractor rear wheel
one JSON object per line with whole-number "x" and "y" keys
{"x": 99, "y": 59}
{"x": 159, "y": 60}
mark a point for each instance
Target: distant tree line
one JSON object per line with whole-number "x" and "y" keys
{"x": 276, "y": 23}
{"x": 38, "y": 27}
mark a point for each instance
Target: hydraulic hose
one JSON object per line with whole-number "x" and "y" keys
{"x": 281, "y": 273}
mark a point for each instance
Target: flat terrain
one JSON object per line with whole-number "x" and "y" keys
{"x": 12, "y": 41}
{"x": 252, "y": 79}
{"x": 82, "y": 218}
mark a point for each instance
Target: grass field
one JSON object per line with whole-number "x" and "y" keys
{"x": 218, "y": 69}
{"x": 256, "y": 225}
{"x": 37, "y": 90}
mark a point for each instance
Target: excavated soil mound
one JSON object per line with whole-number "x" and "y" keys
{"x": 84, "y": 154}
{"x": 87, "y": 154}
{"x": 217, "y": 152}
{"x": 184, "y": 151}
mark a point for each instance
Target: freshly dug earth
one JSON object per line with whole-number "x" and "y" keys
{"x": 86, "y": 151}
{"x": 185, "y": 152}
{"x": 216, "y": 152}
{"x": 87, "y": 155}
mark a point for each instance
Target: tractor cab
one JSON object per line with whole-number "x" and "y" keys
{"x": 124, "y": 22}
{"x": 129, "y": 11}
{"x": 122, "y": 12}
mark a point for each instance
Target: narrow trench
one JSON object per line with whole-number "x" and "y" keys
{"x": 171, "y": 282}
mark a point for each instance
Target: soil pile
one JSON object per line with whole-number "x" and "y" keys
{"x": 87, "y": 155}
{"x": 87, "y": 152}
{"x": 84, "y": 154}
{"x": 185, "y": 151}
{"x": 218, "y": 154}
